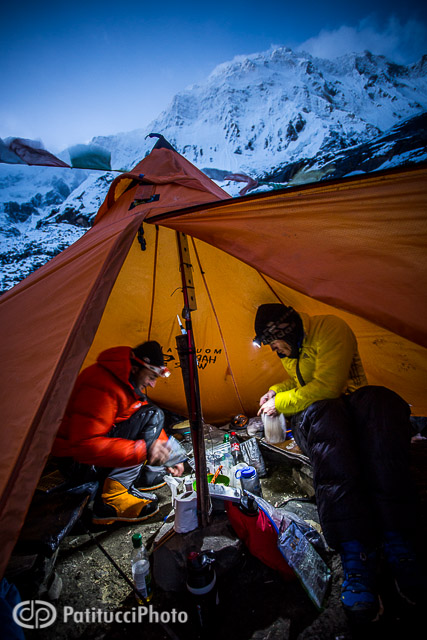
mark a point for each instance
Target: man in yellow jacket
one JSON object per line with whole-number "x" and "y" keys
{"x": 357, "y": 437}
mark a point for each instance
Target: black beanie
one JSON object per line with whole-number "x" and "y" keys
{"x": 150, "y": 352}
{"x": 279, "y": 322}
{"x": 267, "y": 313}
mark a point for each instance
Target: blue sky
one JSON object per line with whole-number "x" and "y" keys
{"x": 72, "y": 70}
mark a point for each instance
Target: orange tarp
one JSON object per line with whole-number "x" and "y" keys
{"x": 358, "y": 244}
{"x": 355, "y": 248}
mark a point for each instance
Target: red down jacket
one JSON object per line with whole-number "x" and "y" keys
{"x": 101, "y": 398}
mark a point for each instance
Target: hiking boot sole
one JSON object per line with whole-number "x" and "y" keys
{"x": 361, "y": 617}
{"x": 152, "y": 487}
{"x": 112, "y": 520}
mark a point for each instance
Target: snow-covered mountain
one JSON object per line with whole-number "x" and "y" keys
{"x": 281, "y": 117}
{"x": 259, "y": 111}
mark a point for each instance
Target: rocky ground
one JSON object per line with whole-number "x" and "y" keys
{"x": 254, "y": 601}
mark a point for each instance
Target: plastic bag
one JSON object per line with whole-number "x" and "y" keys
{"x": 255, "y": 427}
{"x": 274, "y": 428}
{"x": 300, "y": 543}
{"x": 177, "y": 453}
{"x": 309, "y": 566}
{"x": 175, "y": 484}
{"x": 252, "y": 456}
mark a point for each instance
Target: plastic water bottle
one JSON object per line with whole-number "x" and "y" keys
{"x": 235, "y": 448}
{"x": 141, "y": 572}
{"x": 227, "y": 442}
{"x": 249, "y": 480}
{"x": 227, "y": 458}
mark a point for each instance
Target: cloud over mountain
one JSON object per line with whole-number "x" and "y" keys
{"x": 403, "y": 42}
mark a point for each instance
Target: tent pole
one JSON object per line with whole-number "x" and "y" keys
{"x": 187, "y": 354}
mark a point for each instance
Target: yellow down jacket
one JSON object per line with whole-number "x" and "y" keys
{"x": 329, "y": 363}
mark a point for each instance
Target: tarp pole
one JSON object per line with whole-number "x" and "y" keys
{"x": 187, "y": 354}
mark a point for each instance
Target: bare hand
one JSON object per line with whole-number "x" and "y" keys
{"x": 158, "y": 452}
{"x": 177, "y": 470}
{"x": 269, "y": 408}
{"x": 267, "y": 396}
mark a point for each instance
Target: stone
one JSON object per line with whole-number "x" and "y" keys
{"x": 52, "y": 589}
{"x": 303, "y": 476}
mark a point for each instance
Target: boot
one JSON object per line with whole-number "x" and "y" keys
{"x": 411, "y": 585}
{"x": 119, "y": 504}
{"x": 359, "y": 595}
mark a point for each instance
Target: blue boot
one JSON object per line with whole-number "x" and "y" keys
{"x": 399, "y": 554}
{"x": 359, "y": 595}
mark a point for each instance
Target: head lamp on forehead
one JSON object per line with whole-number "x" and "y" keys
{"x": 163, "y": 372}
{"x": 150, "y": 355}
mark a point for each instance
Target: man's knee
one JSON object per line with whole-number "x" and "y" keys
{"x": 151, "y": 427}
{"x": 323, "y": 421}
{"x": 377, "y": 398}
{"x": 328, "y": 412}
{"x": 146, "y": 423}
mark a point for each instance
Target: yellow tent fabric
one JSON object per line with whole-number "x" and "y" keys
{"x": 354, "y": 248}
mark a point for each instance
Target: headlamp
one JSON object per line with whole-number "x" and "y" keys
{"x": 161, "y": 371}
{"x": 256, "y": 342}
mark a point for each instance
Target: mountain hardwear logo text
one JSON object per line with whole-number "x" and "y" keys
{"x": 34, "y": 614}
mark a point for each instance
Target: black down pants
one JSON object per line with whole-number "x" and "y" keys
{"x": 359, "y": 447}
{"x": 145, "y": 424}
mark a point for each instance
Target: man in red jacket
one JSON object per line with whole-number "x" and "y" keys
{"x": 110, "y": 423}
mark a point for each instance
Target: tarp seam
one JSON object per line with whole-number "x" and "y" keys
{"x": 153, "y": 286}
{"x": 263, "y": 277}
{"x": 290, "y": 191}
